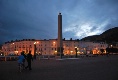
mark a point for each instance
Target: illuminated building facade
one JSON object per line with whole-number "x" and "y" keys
{"x": 40, "y": 47}
{"x": 49, "y": 47}
{"x": 92, "y": 47}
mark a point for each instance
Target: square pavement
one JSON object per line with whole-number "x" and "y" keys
{"x": 87, "y": 68}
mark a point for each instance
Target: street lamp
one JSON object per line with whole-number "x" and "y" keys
{"x": 55, "y": 53}
{"x": 76, "y": 52}
{"x": 111, "y": 46}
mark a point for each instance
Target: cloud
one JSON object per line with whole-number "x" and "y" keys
{"x": 28, "y": 18}
{"x": 92, "y": 17}
{"x": 38, "y": 18}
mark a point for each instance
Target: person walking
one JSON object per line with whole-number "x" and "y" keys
{"x": 29, "y": 59}
{"x": 20, "y": 61}
{"x": 23, "y": 53}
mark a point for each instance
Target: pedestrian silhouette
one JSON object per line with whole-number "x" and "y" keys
{"x": 24, "y": 59}
{"x": 20, "y": 61}
{"x": 29, "y": 59}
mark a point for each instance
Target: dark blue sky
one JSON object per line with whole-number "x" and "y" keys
{"x": 24, "y": 19}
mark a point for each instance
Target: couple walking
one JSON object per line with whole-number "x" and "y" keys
{"x": 23, "y": 57}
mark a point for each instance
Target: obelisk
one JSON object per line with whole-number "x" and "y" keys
{"x": 59, "y": 40}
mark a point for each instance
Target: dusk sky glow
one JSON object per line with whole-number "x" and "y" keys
{"x": 37, "y": 19}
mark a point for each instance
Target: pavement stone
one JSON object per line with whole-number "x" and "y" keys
{"x": 87, "y": 68}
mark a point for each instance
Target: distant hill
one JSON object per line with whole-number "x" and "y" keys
{"x": 108, "y": 36}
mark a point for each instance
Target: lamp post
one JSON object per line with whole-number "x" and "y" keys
{"x": 76, "y": 52}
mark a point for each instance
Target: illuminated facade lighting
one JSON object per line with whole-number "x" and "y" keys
{"x": 49, "y": 47}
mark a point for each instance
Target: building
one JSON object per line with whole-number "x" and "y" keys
{"x": 40, "y": 47}
{"x": 49, "y": 47}
{"x": 89, "y": 47}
